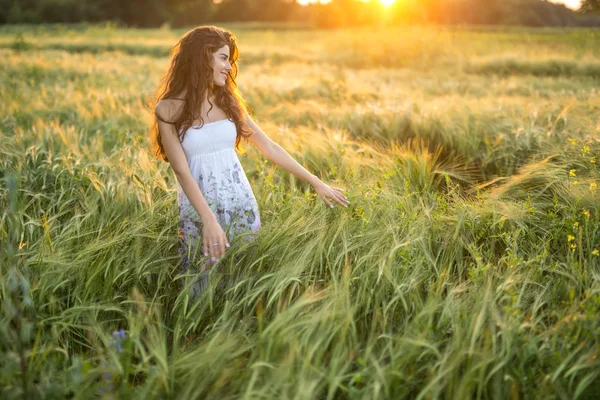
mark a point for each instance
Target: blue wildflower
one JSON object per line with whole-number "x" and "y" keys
{"x": 118, "y": 337}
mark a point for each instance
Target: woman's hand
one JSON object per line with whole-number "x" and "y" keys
{"x": 336, "y": 194}
{"x": 212, "y": 233}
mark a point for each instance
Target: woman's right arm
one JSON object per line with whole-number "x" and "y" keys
{"x": 212, "y": 231}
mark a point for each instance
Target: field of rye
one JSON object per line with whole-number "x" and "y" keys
{"x": 467, "y": 265}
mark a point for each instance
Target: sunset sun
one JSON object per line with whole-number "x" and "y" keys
{"x": 386, "y": 3}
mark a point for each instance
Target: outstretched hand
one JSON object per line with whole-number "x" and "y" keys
{"x": 336, "y": 194}
{"x": 214, "y": 240}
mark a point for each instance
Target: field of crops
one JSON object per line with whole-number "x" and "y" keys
{"x": 467, "y": 265}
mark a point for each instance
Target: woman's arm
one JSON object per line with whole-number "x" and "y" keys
{"x": 176, "y": 156}
{"x": 212, "y": 231}
{"x": 277, "y": 154}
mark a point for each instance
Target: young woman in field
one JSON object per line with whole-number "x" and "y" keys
{"x": 200, "y": 117}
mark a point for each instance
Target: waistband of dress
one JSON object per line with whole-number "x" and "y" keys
{"x": 211, "y": 153}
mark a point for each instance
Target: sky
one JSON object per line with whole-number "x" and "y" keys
{"x": 574, "y": 4}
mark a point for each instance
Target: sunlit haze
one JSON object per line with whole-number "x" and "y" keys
{"x": 574, "y": 4}
{"x": 303, "y": 2}
{"x": 384, "y": 2}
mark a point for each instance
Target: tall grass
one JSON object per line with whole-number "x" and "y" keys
{"x": 467, "y": 265}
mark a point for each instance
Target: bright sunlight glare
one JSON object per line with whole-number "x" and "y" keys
{"x": 386, "y": 3}
{"x": 573, "y": 4}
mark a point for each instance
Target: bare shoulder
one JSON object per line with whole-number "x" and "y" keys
{"x": 168, "y": 109}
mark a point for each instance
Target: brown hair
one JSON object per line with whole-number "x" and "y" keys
{"x": 190, "y": 71}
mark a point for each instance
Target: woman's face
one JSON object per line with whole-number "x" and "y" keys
{"x": 221, "y": 66}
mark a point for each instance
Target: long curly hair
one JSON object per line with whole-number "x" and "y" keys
{"x": 191, "y": 72}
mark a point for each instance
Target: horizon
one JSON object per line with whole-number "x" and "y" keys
{"x": 572, "y": 4}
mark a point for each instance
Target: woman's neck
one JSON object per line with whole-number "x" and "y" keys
{"x": 208, "y": 95}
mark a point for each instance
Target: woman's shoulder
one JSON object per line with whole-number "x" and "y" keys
{"x": 168, "y": 109}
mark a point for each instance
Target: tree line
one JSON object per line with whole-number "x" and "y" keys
{"x": 337, "y": 13}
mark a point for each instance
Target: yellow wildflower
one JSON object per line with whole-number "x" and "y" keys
{"x": 595, "y": 252}
{"x": 573, "y": 141}
{"x": 586, "y": 149}
{"x": 586, "y": 213}
{"x": 593, "y": 186}
{"x": 576, "y": 224}
{"x": 573, "y": 247}
{"x": 593, "y": 160}
{"x": 572, "y": 173}
{"x": 575, "y": 182}
{"x": 570, "y": 238}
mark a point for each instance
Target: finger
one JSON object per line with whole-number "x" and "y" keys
{"x": 219, "y": 250}
{"x": 340, "y": 200}
{"x": 214, "y": 250}
{"x": 341, "y": 192}
{"x": 213, "y": 256}
{"x": 337, "y": 197}
{"x": 204, "y": 248}
{"x": 327, "y": 202}
{"x": 344, "y": 198}
{"x": 221, "y": 247}
{"x": 337, "y": 190}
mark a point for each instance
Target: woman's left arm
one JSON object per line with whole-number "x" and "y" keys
{"x": 277, "y": 154}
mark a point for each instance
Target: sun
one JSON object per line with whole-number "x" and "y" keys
{"x": 385, "y": 3}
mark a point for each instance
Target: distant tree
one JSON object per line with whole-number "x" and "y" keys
{"x": 590, "y": 7}
{"x": 336, "y": 13}
{"x": 234, "y": 10}
{"x": 63, "y": 10}
{"x": 14, "y": 11}
{"x": 5, "y": 9}
{"x": 273, "y": 10}
{"x": 139, "y": 13}
{"x": 190, "y": 12}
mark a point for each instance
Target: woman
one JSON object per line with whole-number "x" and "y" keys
{"x": 199, "y": 118}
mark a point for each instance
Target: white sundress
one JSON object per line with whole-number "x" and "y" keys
{"x": 215, "y": 166}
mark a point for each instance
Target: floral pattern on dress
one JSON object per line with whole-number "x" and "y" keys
{"x": 230, "y": 198}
